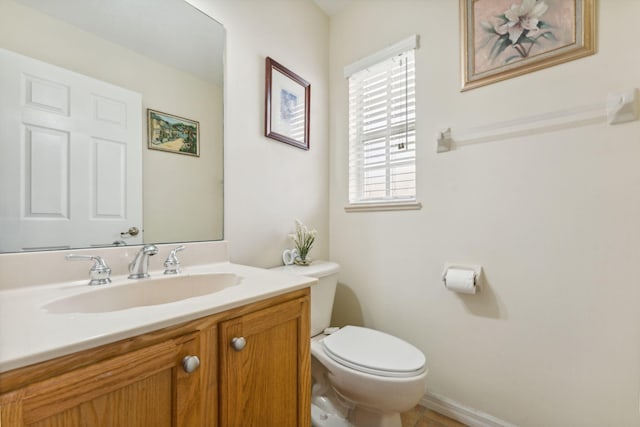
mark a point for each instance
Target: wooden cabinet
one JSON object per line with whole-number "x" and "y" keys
{"x": 135, "y": 389}
{"x": 265, "y": 376}
{"x": 142, "y": 382}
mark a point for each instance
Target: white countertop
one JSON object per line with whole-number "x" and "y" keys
{"x": 29, "y": 334}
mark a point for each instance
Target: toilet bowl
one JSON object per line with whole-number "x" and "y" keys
{"x": 377, "y": 374}
{"x": 361, "y": 377}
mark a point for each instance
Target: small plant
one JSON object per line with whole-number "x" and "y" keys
{"x": 303, "y": 239}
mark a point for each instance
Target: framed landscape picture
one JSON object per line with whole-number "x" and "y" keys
{"x": 502, "y": 39}
{"x": 288, "y": 97}
{"x": 174, "y": 134}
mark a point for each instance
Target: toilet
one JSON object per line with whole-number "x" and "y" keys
{"x": 361, "y": 377}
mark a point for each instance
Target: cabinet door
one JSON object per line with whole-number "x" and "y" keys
{"x": 268, "y": 382}
{"x": 146, "y": 387}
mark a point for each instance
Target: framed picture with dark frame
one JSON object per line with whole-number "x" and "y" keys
{"x": 287, "y": 102}
{"x": 502, "y": 39}
{"x": 166, "y": 132}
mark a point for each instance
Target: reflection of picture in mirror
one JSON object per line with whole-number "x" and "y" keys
{"x": 172, "y": 133}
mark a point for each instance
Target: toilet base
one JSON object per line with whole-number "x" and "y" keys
{"x": 358, "y": 417}
{"x": 321, "y": 418}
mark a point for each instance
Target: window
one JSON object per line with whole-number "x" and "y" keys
{"x": 382, "y": 134}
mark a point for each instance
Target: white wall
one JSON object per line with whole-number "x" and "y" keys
{"x": 554, "y": 339}
{"x": 268, "y": 184}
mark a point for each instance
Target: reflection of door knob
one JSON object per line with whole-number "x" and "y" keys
{"x": 238, "y": 343}
{"x": 133, "y": 231}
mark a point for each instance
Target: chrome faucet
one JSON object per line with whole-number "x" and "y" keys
{"x": 140, "y": 264}
{"x": 99, "y": 273}
{"x": 172, "y": 264}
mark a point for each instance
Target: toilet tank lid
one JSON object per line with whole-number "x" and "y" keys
{"x": 318, "y": 268}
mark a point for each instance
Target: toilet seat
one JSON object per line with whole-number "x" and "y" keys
{"x": 374, "y": 352}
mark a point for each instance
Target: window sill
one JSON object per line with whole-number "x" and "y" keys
{"x": 383, "y": 206}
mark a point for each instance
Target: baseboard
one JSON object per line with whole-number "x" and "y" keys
{"x": 464, "y": 414}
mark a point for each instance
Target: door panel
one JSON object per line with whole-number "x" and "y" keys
{"x": 109, "y": 179}
{"x": 47, "y": 173}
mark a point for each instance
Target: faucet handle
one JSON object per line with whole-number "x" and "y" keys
{"x": 99, "y": 273}
{"x": 172, "y": 264}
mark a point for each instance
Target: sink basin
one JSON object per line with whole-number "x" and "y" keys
{"x": 143, "y": 292}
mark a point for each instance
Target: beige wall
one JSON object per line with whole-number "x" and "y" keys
{"x": 554, "y": 219}
{"x": 173, "y": 184}
{"x": 268, "y": 184}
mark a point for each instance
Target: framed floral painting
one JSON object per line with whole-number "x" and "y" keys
{"x": 507, "y": 38}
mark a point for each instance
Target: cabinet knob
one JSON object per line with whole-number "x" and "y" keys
{"x": 238, "y": 343}
{"x": 190, "y": 363}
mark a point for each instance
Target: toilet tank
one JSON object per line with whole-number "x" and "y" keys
{"x": 322, "y": 294}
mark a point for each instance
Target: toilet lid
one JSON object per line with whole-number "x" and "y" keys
{"x": 374, "y": 352}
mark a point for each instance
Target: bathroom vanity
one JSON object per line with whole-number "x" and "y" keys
{"x": 236, "y": 357}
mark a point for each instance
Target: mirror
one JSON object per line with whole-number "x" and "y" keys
{"x": 170, "y": 54}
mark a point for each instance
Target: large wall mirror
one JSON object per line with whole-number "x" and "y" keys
{"x": 77, "y": 77}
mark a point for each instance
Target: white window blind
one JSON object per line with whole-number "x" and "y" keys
{"x": 382, "y": 135}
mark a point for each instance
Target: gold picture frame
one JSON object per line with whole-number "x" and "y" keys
{"x": 502, "y": 39}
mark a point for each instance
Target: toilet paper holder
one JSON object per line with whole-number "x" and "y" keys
{"x": 477, "y": 272}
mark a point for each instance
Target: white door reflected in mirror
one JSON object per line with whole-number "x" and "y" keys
{"x": 69, "y": 161}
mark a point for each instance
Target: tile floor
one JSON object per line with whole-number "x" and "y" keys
{"x": 423, "y": 417}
